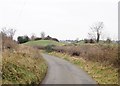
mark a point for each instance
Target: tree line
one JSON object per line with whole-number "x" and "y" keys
{"x": 95, "y": 34}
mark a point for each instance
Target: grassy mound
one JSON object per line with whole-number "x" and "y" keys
{"x": 44, "y": 43}
{"x": 24, "y": 66}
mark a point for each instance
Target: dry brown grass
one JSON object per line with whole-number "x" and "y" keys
{"x": 106, "y": 54}
{"x": 24, "y": 66}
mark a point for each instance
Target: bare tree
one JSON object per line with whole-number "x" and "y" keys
{"x": 91, "y": 35}
{"x": 11, "y": 33}
{"x": 7, "y": 38}
{"x": 8, "y": 32}
{"x": 42, "y": 35}
{"x": 33, "y": 36}
{"x": 96, "y": 30}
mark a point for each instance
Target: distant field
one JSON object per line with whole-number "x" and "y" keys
{"x": 44, "y": 43}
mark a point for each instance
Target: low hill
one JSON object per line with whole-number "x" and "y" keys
{"x": 44, "y": 43}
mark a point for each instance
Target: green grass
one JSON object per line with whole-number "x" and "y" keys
{"x": 25, "y": 66}
{"x": 102, "y": 74}
{"x": 44, "y": 43}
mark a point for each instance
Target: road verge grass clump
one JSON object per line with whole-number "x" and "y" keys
{"x": 23, "y": 66}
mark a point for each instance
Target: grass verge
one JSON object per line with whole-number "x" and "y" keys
{"x": 24, "y": 66}
{"x": 101, "y": 73}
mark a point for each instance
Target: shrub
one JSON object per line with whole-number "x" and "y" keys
{"x": 89, "y": 41}
{"x": 108, "y": 40}
{"x": 37, "y": 38}
{"x": 92, "y": 41}
{"x": 50, "y": 38}
{"x": 54, "y": 39}
{"x": 49, "y": 48}
{"x": 85, "y": 41}
{"x": 23, "y": 39}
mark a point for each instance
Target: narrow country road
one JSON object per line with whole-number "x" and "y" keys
{"x": 63, "y": 72}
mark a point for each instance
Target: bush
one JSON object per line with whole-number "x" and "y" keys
{"x": 50, "y": 38}
{"x": 23, "y": 39}
{"x": 37, "y": 38}
{"x": 85, "y": 41}
{"x": 108, "y": 40}
{"x": 89, "y": 41}
{"x": 92, "y": 41}
{"x": 49, "y": 48}
{"x": 54, "y": 39}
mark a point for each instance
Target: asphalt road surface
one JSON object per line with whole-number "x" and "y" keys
{"x": 64, "y": 72}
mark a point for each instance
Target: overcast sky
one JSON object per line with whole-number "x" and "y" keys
{"x": 63, "y": 19}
